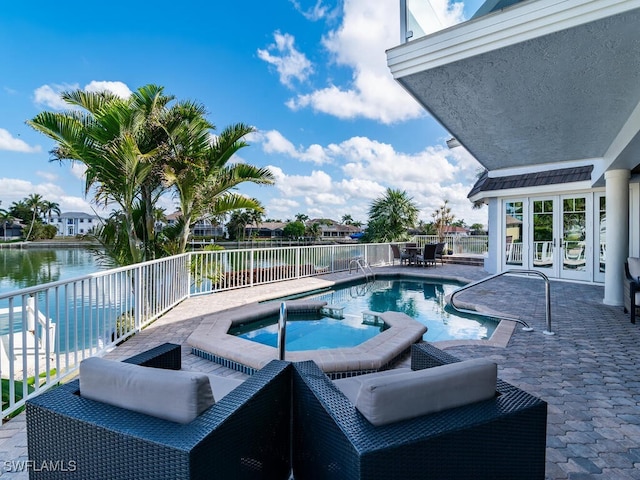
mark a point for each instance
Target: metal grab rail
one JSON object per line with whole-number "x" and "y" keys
{"x": 362, "y": 266}
{"x": 526, "y": 328}
{"x": 282, "y": 331}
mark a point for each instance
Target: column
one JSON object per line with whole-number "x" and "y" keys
{"x": 617, "y": 210}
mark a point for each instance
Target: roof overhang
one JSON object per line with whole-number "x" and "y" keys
{"x": 540, "y": 82}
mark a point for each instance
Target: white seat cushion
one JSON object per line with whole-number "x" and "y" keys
{"x": 390, "y": 396}
{"x": 174, "y": 395}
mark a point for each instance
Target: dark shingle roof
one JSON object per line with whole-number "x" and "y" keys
{"x": 550, "y": 177}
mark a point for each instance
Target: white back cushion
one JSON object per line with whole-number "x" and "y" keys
{"x": 174, "y": 395}
{"x": 634, "y": 267}
{"x": 384, "y": 399}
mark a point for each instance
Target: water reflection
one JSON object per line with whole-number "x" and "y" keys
{"x": 22, "y": 268}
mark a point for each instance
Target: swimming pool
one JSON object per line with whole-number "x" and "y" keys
{"x": 422, "y": 300}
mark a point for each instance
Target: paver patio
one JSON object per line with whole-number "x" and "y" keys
{"x": 588, "y": 371}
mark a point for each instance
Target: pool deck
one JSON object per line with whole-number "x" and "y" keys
{"x": 588, "y": 372}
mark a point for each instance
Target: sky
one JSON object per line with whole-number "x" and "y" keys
{"x": 310, "y": 76}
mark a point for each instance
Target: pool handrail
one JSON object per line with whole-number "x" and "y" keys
{"x": 282, "y": 331}
{"x": 526, "y": 327}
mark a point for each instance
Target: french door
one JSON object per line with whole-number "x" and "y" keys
{"x": 553, "y": 235}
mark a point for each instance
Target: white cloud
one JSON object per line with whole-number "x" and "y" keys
{"x": 12, "y": 144}
{"x": 78, "y": 169}
{"x": 49, "y": 95}
{"x": 288, "y": 61}
{"x": 273, "y": 142}
{"x": 117, "y": 88}
{"x": 316, "y": 12}
{"x": 48, "y": 176}
{"x": 367, "y": 30}
{"x": 367, "y": 169}
{"x": 15, "y": 190}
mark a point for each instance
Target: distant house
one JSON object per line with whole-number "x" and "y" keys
{"x": 202, "y": 228}
{"x": 332, "y": 229}
{"x": 14, "y": 229}
{"x": 456, "y": 231}
{"x": 265, "y": 230}
{"x": 70, "y": 224}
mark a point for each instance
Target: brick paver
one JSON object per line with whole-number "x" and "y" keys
{"x": 587, "y": 372}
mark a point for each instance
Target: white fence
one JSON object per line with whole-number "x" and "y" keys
{"x": 47, "y": 330}
{"x": 467, "y": 244}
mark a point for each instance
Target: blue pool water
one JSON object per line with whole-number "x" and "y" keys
{"x": 422, "y": 300}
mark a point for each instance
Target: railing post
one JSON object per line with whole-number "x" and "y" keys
{"x": 251, "y": 271}
{"x": 298, "y": 265}
{"x": 137, "y": 298}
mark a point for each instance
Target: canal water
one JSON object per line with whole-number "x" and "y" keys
{"x": 28, "y": 267}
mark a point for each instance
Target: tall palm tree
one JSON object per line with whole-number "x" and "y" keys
{"x": 346, "y": 219}
{"x": 117, "y": 140}
{"x": 200, "y": 172}
{"x": 49, "y": 208}
{"x": 35, "y": 203}
{"x": 135, "y": 149}
{"x": 390, "y": 217}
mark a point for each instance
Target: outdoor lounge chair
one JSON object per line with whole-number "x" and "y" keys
{"x": 428, "y": 256}
{"x": 244, "y": 435}
{"x": 398, "y": 255}
{"x": 503, "y": 437}
{"x": 632, "y": 287}
{"x": 440, "y": 251}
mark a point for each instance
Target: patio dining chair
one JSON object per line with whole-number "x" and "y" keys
{"x": 428, "y": 256}
{"x": 246, "y": 434}
{"x": 398, "y": 255}
{"x": 440, "y": 251}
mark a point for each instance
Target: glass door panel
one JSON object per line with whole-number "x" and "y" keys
{"x": 513, "y": 227}
{"x": 543, "y": 239}
{"x": 599, "y": 237}
{"x": 574, "y": 228}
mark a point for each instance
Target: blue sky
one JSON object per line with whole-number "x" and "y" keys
{"x": 310, "y": 76}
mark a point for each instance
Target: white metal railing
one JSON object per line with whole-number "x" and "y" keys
{"x": 458, "y": 244}
{"x": 47, "y": 330}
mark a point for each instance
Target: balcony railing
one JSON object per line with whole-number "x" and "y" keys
{"x": 47, "y": 330}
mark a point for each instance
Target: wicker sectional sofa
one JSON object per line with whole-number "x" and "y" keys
{"x": 246, "y": 435}
{"x": 500, "y": 438}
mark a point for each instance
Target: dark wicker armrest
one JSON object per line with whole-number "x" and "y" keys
{"x": 425, "y": 355}
{"x": 504, "y": 437}
{"x": 244, "y": 435}
{"x": 167, "y": 355}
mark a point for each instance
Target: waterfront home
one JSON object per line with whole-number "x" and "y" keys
{"x": 545, "y": 95}
{"x": 70, "y": 224}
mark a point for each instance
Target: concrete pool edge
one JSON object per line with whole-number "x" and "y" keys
{"x": 231, "y": 359}
{"x": 212, "y": 341}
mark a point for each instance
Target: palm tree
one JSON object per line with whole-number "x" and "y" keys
{"x": 301, "y": 217}
{"x": 390, "y": 217}
{"x": 313, "y": 230}
{"x": 346, "y": 219}
{"x": 201, "y": 175}
{"x": 115, "y": 140}
{"x": 49, "y": 208}
{"x": 442, "y": 218}
{"x": 5, "y": 218}
{"x": 35, "y": 203}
